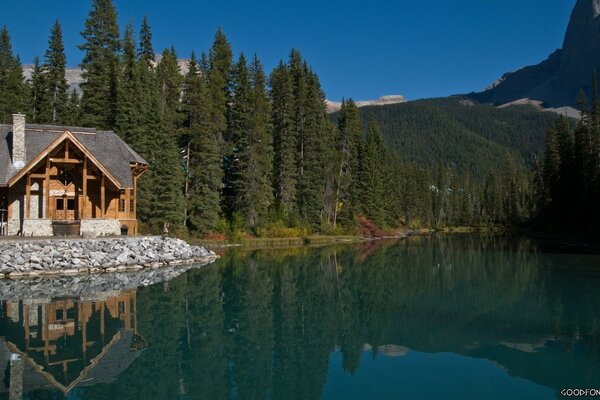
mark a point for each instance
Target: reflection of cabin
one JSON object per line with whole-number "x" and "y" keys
{"x": 72, "y": 341}
{"x": 57, "y": 180}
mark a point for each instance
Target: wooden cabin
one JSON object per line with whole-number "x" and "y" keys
{"x": 57, "y": 180}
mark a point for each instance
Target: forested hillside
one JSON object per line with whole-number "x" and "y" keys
{"x": 454, "y": 132}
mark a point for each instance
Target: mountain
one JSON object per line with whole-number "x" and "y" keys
{"x": 459, "y": 132}
{"x": 333, "y": 106}
{"x": 74, "y": 78}
{"x": 556, "y": 81}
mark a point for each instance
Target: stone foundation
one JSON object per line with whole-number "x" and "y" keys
{"x": 14, "y": 227}
{"x": 37, "y": 227}
{"x": 100, "y": 227}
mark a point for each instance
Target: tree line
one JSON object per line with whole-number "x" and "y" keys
{"x": 232, "y": 149}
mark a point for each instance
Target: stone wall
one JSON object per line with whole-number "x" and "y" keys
{"x": 14, "y": 227}
{"x": 100, "y": 227}
{"x": 37, "y": 227}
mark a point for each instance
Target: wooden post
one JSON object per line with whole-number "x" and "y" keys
{"x": 134, "y": 198}
{"x": 84, "y": 197}
{"x": 28, "y": 196}
{"x": 47, "y": 182}
{"x": 127, "y": 201}
{"x": 102, "y": 197}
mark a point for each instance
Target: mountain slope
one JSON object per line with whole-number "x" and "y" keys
{"x": 454, "y": 131}
{"x": 557, "y": 80}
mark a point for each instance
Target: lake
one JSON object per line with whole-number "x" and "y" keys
{"x": 453, "y": 317}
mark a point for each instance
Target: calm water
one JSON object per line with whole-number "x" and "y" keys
{"x": 452, "y": 318}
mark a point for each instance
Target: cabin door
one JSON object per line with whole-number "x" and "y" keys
{"x": 66, "y": 209}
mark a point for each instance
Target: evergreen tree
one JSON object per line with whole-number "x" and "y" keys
{"x": 54, "y": 66}
{"x": 13, "y": 93}
{"x": 220, "y": 60}
{"x": 240, "y": 124}
{"x": 100, "y": 66}
{"x": 146, "y": 50}
{"x": 170, "y": 85}
{"x": 258, "y": 192}
{"x": 373, "y": 159}
{"x": 349, "y": 135}
{"x": 71, "y": 114}
{"x": 205, "y": 173}
{"x": 284, "y": 140}
{"x": 128, "y": 118}
{"x": 38, "y": 94}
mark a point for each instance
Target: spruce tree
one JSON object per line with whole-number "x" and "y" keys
{"x": 348, "y": 137}
{"x": 13, "y": 93}
{"x": 220, "y": 60}
{"x": 170, "y": 83}
{"x": 128, "y": 118}
{"x": 100, "y": 66}
{"x": 55, "y": 62}
{"x": 373, "y": 159}
{"x": 257, "y": 176}
{"x": 284, "y": 140}
{"x": 38, "y": 92}
{"x": 71, "y": 114}
{"x": 205, "y": 172}
{"x": 236, "y": 156}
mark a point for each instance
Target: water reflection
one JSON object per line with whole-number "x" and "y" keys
{"x": 293, "y": 324}
{"x": 71, "y": 342}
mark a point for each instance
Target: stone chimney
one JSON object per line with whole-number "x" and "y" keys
{"x": 18, "y": 141}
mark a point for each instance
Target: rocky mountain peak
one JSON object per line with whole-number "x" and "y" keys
{"x": 557, "y": 80}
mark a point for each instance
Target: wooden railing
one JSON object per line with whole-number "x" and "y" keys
{"x": 65, "y": 215}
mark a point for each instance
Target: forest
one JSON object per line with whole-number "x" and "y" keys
{"x": 235, "y": 151}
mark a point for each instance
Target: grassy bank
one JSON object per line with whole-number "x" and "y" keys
{"x": 278, "y": 242}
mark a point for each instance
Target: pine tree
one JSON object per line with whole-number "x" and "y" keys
{"x": 220, "y": 60}
{"x": 373, "y": 159}
{"x": 349, "y": 135}
{"x": 205, "y": 173}
{"x": 100, "y": 66}
{"x": 71, "y": 114}
{"x": 236, "y": 156}
{"x": 258, "y": 190}
{"x": 128, "y": 118}
{"x": 38, "y": 94}
{"x": 170, "y": 83}
{"x": 146, "y": 50}
{"x": 13, "y": 93}
{"x": 54, "y": 66}
{"x": 284, "y": 140}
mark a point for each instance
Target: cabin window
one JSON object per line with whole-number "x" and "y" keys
{"x": 121, "y": 307}
{"x": 60, "y": 204}
{"x": 71, "y": 204}
{"x": 131, "y": 205}
{"x": 122, "y": 205}
{"x": 59, "y": 314}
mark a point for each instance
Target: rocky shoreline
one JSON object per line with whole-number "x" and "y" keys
{"x": 33, "y": 258}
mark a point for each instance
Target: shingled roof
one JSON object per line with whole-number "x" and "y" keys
{"x": 108, "y": 148}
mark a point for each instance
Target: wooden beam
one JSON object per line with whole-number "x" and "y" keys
{"x": 102, "y": 197}
{"x": 127, "y": 198}
{"x": 47, "y": 193}
{"x": 135, "y": 197}
{"x": 84, "y": 199}
{"x": 66, "y": 149}
{"x": 65, "y": 161}
{"x": 28, "y": 197}
{"x": 38, "y": 176}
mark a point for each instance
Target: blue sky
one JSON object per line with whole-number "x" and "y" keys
{"x": 360, "y": 49}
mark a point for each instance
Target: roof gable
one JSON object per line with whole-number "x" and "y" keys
{"x": 105, "y": 148}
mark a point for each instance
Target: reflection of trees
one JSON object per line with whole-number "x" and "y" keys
{"x": 262, "y": 324}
